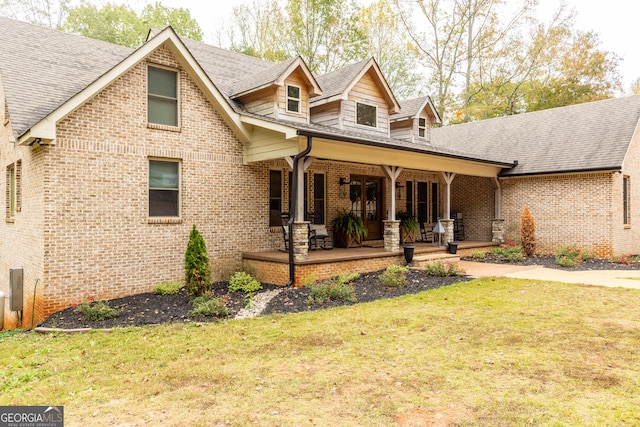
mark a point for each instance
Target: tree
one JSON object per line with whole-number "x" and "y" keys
{"x": 528, "y": 232}
{"x": 197, "y": 273}
{"x": 48, "y": 13}
{"x": 121, "y": 25}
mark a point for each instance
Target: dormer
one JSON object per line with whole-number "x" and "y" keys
{"x": 355, "y": 98}
{"x": 282, "y": 91}
{"x": 414, "y": 121}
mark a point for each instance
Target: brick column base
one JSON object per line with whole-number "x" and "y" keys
{"x": 300, "y": 240}
{"x": 497, "y": 230}
{"x": 391, "y": 236}
{"x": 447, "y": 224}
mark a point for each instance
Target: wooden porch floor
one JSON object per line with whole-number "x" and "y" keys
{"x": 367, "y": 251}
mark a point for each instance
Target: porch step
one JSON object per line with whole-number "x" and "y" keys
{"x": 427, "y": 259}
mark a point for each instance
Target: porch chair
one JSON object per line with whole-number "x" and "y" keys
{"x": 320, "y": 237}
{"x": 426, "y": 232}
{"x": 284, "y": 217}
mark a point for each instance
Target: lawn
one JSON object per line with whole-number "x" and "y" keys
{"x": 491, "y": 352}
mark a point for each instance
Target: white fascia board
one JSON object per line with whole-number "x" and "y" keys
{"x": 288, "y": 131}
{"x": 45, "y": 128}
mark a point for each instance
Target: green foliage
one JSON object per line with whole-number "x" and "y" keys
{"x": 120, "y": 24}
{"x": 333, "y": 289}
{"x": 509, "y": 252}
{"x": 244, "y": 282}
{"x": 408, "y": 222}
{"x": 571, "y": 256}
{"x": 445, "y": 269}
{"x": 478, "y": 254}
{"x": 394, "y": 276}
{"x": 626, "y": 259}
{"x": 97, "y": 310}
{"x": 196, "y": 265}
{"x": 167, "y": 288}
{"x": 528, "y": 232}
{"x": 209, "y": 306}
{"x": 349, "y": 223}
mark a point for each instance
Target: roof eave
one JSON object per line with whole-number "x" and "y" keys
{"x": 610, "y": 169}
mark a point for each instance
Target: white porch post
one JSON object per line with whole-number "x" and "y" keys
{"x": 393, "y": 172}
{"x": 300, "y": 197}
{"x": 448, "y": 179}
{"x": 497, "y": 191}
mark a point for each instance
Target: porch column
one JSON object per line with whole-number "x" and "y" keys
{"x": 300, "y": 240}
{"x": 447, "y": 224}
{"x": 497, "y": 191}
{"x": 392, "y": 173}
{"x": 448, "y": 179}
{"x": 391, "y": 235}
{"x": 497, "y": 230}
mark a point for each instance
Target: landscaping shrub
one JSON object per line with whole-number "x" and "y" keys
{"x": 335, "y": 288}
{"x": 197, "y": 273}
{"x": 97, "y": 310}
{"x": 244, "y": 282}
{"x": 571, "y": 256}
{"x": 445, "y": 269}
{"x": 509, "y": 252}
{"x": 394, "y": 276}
{"x": 528, "y": 232}
{"x": 625, "y": 259}
{"x": 167, "y": 288}
{"x": 478, "y": 254}
{"x": 209, "y": 306}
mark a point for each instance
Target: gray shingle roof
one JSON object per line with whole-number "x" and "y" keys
{"x": 42, "y": 69}
{"x": 261, "y": 78}
{"x": 336, "y": 82}
{"x": 589, "y": 136}
{"x": 409, "y": 108}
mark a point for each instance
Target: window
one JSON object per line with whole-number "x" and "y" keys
{"x": 626, "y": 200}
{"x": 422, "y": 127}
{"x": 11, "y": 191}
{"x": 275, "y": 198}
{"x": 409, "y": 188}
{"x": 366, "y": 115}
{"x": 162, "y": 98}
{"x": 318, "y": 198}
{"x": 164, "y": 188}
{"x": 293, "y": 99}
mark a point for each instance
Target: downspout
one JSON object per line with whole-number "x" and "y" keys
{"x": 294, "y": 203}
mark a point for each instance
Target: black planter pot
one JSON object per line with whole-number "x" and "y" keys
{"x": 408, "y": 253}
{"x": 453, "y": 247}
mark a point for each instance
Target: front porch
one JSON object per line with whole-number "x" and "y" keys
{"x": 273, "y": 266}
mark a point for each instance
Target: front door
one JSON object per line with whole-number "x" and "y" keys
{"x": 367, "y": 202}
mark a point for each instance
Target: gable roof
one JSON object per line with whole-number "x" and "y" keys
{"x": 411, "y": 108}
{"x": 275, "y": 76}
{"x": 585, "y": 137}
{"x": 337, "y": 84}
{"x": 43, "y": 69}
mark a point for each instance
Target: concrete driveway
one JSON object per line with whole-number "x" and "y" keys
{"x": 611, "y": 278}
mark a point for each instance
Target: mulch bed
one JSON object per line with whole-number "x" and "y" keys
{"x": 151, "y": 309}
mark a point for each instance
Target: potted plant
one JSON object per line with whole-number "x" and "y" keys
{"x": 408, "y": 226}
{"x": 348, "y": 228}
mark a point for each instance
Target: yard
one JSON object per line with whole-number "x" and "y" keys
{"x": 498, "y": 352}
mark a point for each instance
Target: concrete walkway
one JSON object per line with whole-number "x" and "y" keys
{"x": 610, "y": 278}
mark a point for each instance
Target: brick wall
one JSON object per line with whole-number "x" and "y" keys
{"x": 574, "y": 209}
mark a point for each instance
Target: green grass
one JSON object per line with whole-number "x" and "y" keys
{"x": 491, "y": 352}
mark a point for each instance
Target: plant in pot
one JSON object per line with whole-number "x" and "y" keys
{"x": 408, "y": 226}
{"x": 348, "y": 229}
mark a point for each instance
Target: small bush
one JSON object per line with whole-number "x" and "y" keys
{"x": 97, "y": 310}
{"x": 334, "y": 289}
{"x": 209, "y": 306}
{"x": 196, "y": 265}
{"x": 167, "y": 288}
{"x": 571, "y": 256}
{"x": 445, "y": 269}
{"x": 528, "y": 232}
{"x": 243, "y": 282}
{"x": 394, "y": 276}
{"x": 625, "y": 259}
{"x": 478, "y": 254}
{"x": 509, "y": 252}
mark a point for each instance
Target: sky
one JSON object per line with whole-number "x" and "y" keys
{"x": 614, "y": 20}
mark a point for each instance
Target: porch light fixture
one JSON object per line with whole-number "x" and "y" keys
{"x": 343, "y": 188}
{"x": 398, "y": 190}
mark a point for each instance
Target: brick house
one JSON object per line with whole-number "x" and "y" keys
{"x": 112, "y": 154}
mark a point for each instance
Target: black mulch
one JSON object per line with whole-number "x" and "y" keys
{"x": 151, "y": 309}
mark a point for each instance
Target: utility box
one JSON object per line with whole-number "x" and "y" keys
{"x": 16, "y": 289}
